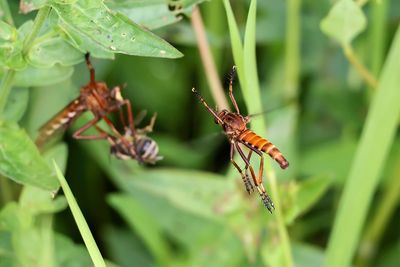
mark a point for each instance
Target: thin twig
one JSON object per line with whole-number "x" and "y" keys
{"x": 360, "y": 68}
{"x": 208, "y": 61}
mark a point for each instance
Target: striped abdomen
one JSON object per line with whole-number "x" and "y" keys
{"x": 262, "y": 144}
{"x": 60, "y": 121}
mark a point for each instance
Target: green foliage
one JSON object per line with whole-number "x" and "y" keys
{"x": 191, "y": 208}
{"x": 20, "y": 159}
{"x": 344, "y": 21}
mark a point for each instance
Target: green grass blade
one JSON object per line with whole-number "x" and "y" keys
{"x": 236, "y": 41}
{"x": 83, "y": 227}
{"x": 376, "y": 138}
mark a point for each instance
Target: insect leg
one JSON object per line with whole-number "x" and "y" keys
{"x": 232, "y": 76}
{"x": 90, "y": 67}
{"x": 78, "y": 133}
{"x": 207, "y": 107}
{"x": 245, "y": 176}
{"x": 257, "y": 181}
{"x": 148, "y": 128}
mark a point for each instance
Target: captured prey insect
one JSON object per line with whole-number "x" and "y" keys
{"x": 100, "y": 101}
{"x": 134, "y": 144}
{"x": 234, "y": 126}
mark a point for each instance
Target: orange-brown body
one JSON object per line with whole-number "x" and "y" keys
{"x": 235, "y": 128}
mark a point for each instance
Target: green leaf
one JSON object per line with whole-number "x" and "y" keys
{"x": 51, "y": 51}
{"x": 195, "y": 192}
{"x": 11, "y": 46}
{"x": 20, "y": 160}
{"x": 115, "y": 32}
{"x": 83, "y": 227}
{"x": 344, "y": 21}
{"x": 26, "y": 6}
{"x": 305, "y": 255}
{"x": 143, "y": 223}
{"x": 30, "y": 76}
{"x": 12, "y": 218}
{"x": 17, "y": 103}
{"x": 36, "y": 201}
{"x": 303, "y": 195}
{"x": 156, "y": 13}
{"x": 376, "y": 140}
{"x": 70, "y": 254}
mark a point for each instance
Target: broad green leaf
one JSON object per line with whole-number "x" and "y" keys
{"x": 84, "y": 43}
{"x": 49, "y": 52}
{"x": 156, "y": 13}
{"x": 20, "y": 160}
{"x": 7, "y": 32}
{"x": 344, "y": 21}
{"x": 124, "y": 247}
{"x": 305, "y": 255}
{"x": 36, "y": 201}
{"x": 30, "y": 76}
{"x": 113, "y": 31}
{"x": 143, "y": 223}
{"x": 17, "y": 103}
{"x": 303, "y": 195}
{"x": 70, "y": 254}
{"x": 195, "y": 192}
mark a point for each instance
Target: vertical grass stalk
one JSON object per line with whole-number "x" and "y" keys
{"x": 376, "y": 138}
{"x": 83, "y": 227}
{"x": 245, "y": 60}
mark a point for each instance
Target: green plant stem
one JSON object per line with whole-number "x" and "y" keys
{"x": 37, "y": 25}
{"x": 385, "y": 210}
{"x": 207, "y": 59}
{"x": 8, "y": 78}
{"x": 5, "y": 88}
{"x": 376, "y": 139}
{"x": 378, "y": 35}
{"x": 360, "y": 68}
{"x": 292, "y": 46}
{"x": 83, "y": 227}
{"x": 252, "y": 97}
{"x": 7, "y": 13}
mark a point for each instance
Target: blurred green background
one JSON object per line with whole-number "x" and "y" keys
{"x": 191, "y": 208}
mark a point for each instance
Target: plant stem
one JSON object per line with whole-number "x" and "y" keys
{"x": 360, "y": 68}
{"x": 207, "y": 59}
{"x": 5, "y": 88}
{"x": 385, "y": 210}
{"x": 292, "y": 49}
{"x": 252, "y": 96}
{"x": 378, "y": 35}
{"x": 37, "y": 25}
{"x": 8, "y": 78}
{"x": 7, "y": 13}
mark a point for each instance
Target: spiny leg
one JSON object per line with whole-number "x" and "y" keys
{"x": 245, "y": 177}
{"x": 261, "y": 190}
{"x": 207, "y": 107}
{"x": 232, "y": 76}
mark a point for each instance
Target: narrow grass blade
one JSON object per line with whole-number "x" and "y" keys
{"x": 236, "y": 41}
{"x": 377, "y": 136}
{"x": 83, "y": 227}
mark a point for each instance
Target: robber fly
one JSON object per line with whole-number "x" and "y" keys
{"x": 234, "y": 126}
{"x": 100, "y": 101}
